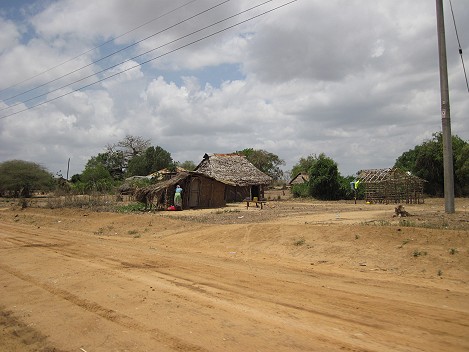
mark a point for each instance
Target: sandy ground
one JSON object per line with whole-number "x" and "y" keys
{"x": 294, "y": 276}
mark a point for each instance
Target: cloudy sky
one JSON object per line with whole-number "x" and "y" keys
{"x": 357, "y": 80}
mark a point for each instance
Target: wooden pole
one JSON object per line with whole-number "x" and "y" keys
{"x": 68, "y": 167}
{"x": 445, "y": 112}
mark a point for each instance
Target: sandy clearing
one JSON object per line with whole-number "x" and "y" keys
{"x": 296, "y": 276}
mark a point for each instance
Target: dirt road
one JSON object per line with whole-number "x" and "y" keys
{"x": 323, "y": 278}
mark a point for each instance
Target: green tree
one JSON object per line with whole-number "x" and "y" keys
{"x": 303, "y": 165}
{"x": 153, "y": 159}
{"x": 324, "y": 179}
{"x": 117, "y": 156}
{"x": 268, "y": 163}
{"x": 300, "y": 190}
{"x": 96, "y": 177}
{"x": 20, "y": 178}
{"x": 426, "y": 161}
{"x": 462, "y": 171}
{"x": 113, "y": 161}
{"x": 188, "y": 165}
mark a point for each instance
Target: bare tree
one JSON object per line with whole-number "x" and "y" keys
{"x": 129, "y": 147}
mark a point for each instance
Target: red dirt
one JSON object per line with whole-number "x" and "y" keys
{"x": 295, "y": 276}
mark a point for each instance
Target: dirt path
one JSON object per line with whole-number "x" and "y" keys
{"x": 324, "y": 281}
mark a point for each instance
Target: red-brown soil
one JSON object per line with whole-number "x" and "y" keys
{"x": 294, "y": 276}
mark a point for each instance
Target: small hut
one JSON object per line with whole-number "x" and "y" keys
{"x": 199, "y": 191}
{"x": 391, "y": 185}
{"x": 242, "y": 179}
{"x": 299, "y": 179}
{"x": 165, "y": 174}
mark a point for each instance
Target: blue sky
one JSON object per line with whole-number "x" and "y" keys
{"x": 356, "y": 80}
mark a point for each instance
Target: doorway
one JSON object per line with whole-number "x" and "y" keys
{"x": 194, "y": 193}
{"x": 255, "y": 192}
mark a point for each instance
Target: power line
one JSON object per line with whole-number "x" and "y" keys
{"x": 459, "y": 44}
{"x": 92, "y": 49}
{"x": 103, "y": 58}
{"x": 131, "y": 59}
{"x": 155, "y": 58}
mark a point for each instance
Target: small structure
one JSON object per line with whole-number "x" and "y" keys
{"x": 165, "y": 174}
{"x": 242, "y": 179}
{"x": 299, "y": 179}
{"x": 391, "y": 185}
{"x": 199, "y": 191}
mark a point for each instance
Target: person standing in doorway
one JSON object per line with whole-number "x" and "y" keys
{"x": 178, "y": 198}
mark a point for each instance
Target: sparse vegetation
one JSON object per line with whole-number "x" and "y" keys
{"x": 224, "y": 211}
{"x": 453, "y": 251}
{"x": 406, "y": 223}
{"x": 407, "y": 240}
{"x": 131, "y": 208}
{"x": 299, "y": 242}
{"x": 417, "y": 253}
{"x": 380, "y": 222}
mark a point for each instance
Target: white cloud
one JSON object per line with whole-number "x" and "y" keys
{"x": 9, "y": 35}
{"x": 356, "y": 81}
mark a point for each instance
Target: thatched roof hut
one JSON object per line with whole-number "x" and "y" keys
{"x": 242, "y": 178}
{"x": 199, "y": 191}
{"x": 166, "y": 174}
{"x": 299, "y": 179}
{"x": 391, "y": 185}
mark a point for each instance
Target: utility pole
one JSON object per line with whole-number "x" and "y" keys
{"x": 445, "y": 112}
{"x": 68, "y": 167}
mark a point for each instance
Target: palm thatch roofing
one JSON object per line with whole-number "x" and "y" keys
{"x": 300, "y": 178}
{"x": 166, "y": 173}
{"x": 391, "y": 185}
{"x": 148, "y": 194}
{"x": 232, "y": 169}
{"x": 199, "y": 191}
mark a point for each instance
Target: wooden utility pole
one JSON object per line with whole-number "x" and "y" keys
{"x": 445, "y": 112}
{"x": 68, "y": 167}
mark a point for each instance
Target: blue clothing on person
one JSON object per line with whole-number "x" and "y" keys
{"x": 178, "y": 198}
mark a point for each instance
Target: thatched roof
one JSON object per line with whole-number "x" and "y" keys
{"x": 163, "y": 185}
{"x": 300, "y": 178}
{"x": 149, "y": 193}
{"x": 160, "y": 174}
{"x": 232, "y": 169}
{"x": 385, "y": 175}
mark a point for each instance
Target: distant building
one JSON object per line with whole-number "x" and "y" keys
{"x": 299, "y": 179}
{"x": 391, "y": 186}
{"x": 218, "y": 179}
{"x": 242, "y": 179}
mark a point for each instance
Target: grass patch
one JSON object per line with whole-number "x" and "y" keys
{"x": 376, "y": 223}
{"x": 299, "y": 242}
{"x": 453, "y": 251}
{"x": 407, "y": 223}
{"x": 131, "y": 208}
{"x": 103, "y": 230}
{"x": 407, "y": 240}
{"x": 416, "y": 253}
{"x": 436, "y": 225}
{"x": 224, "y": 211}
